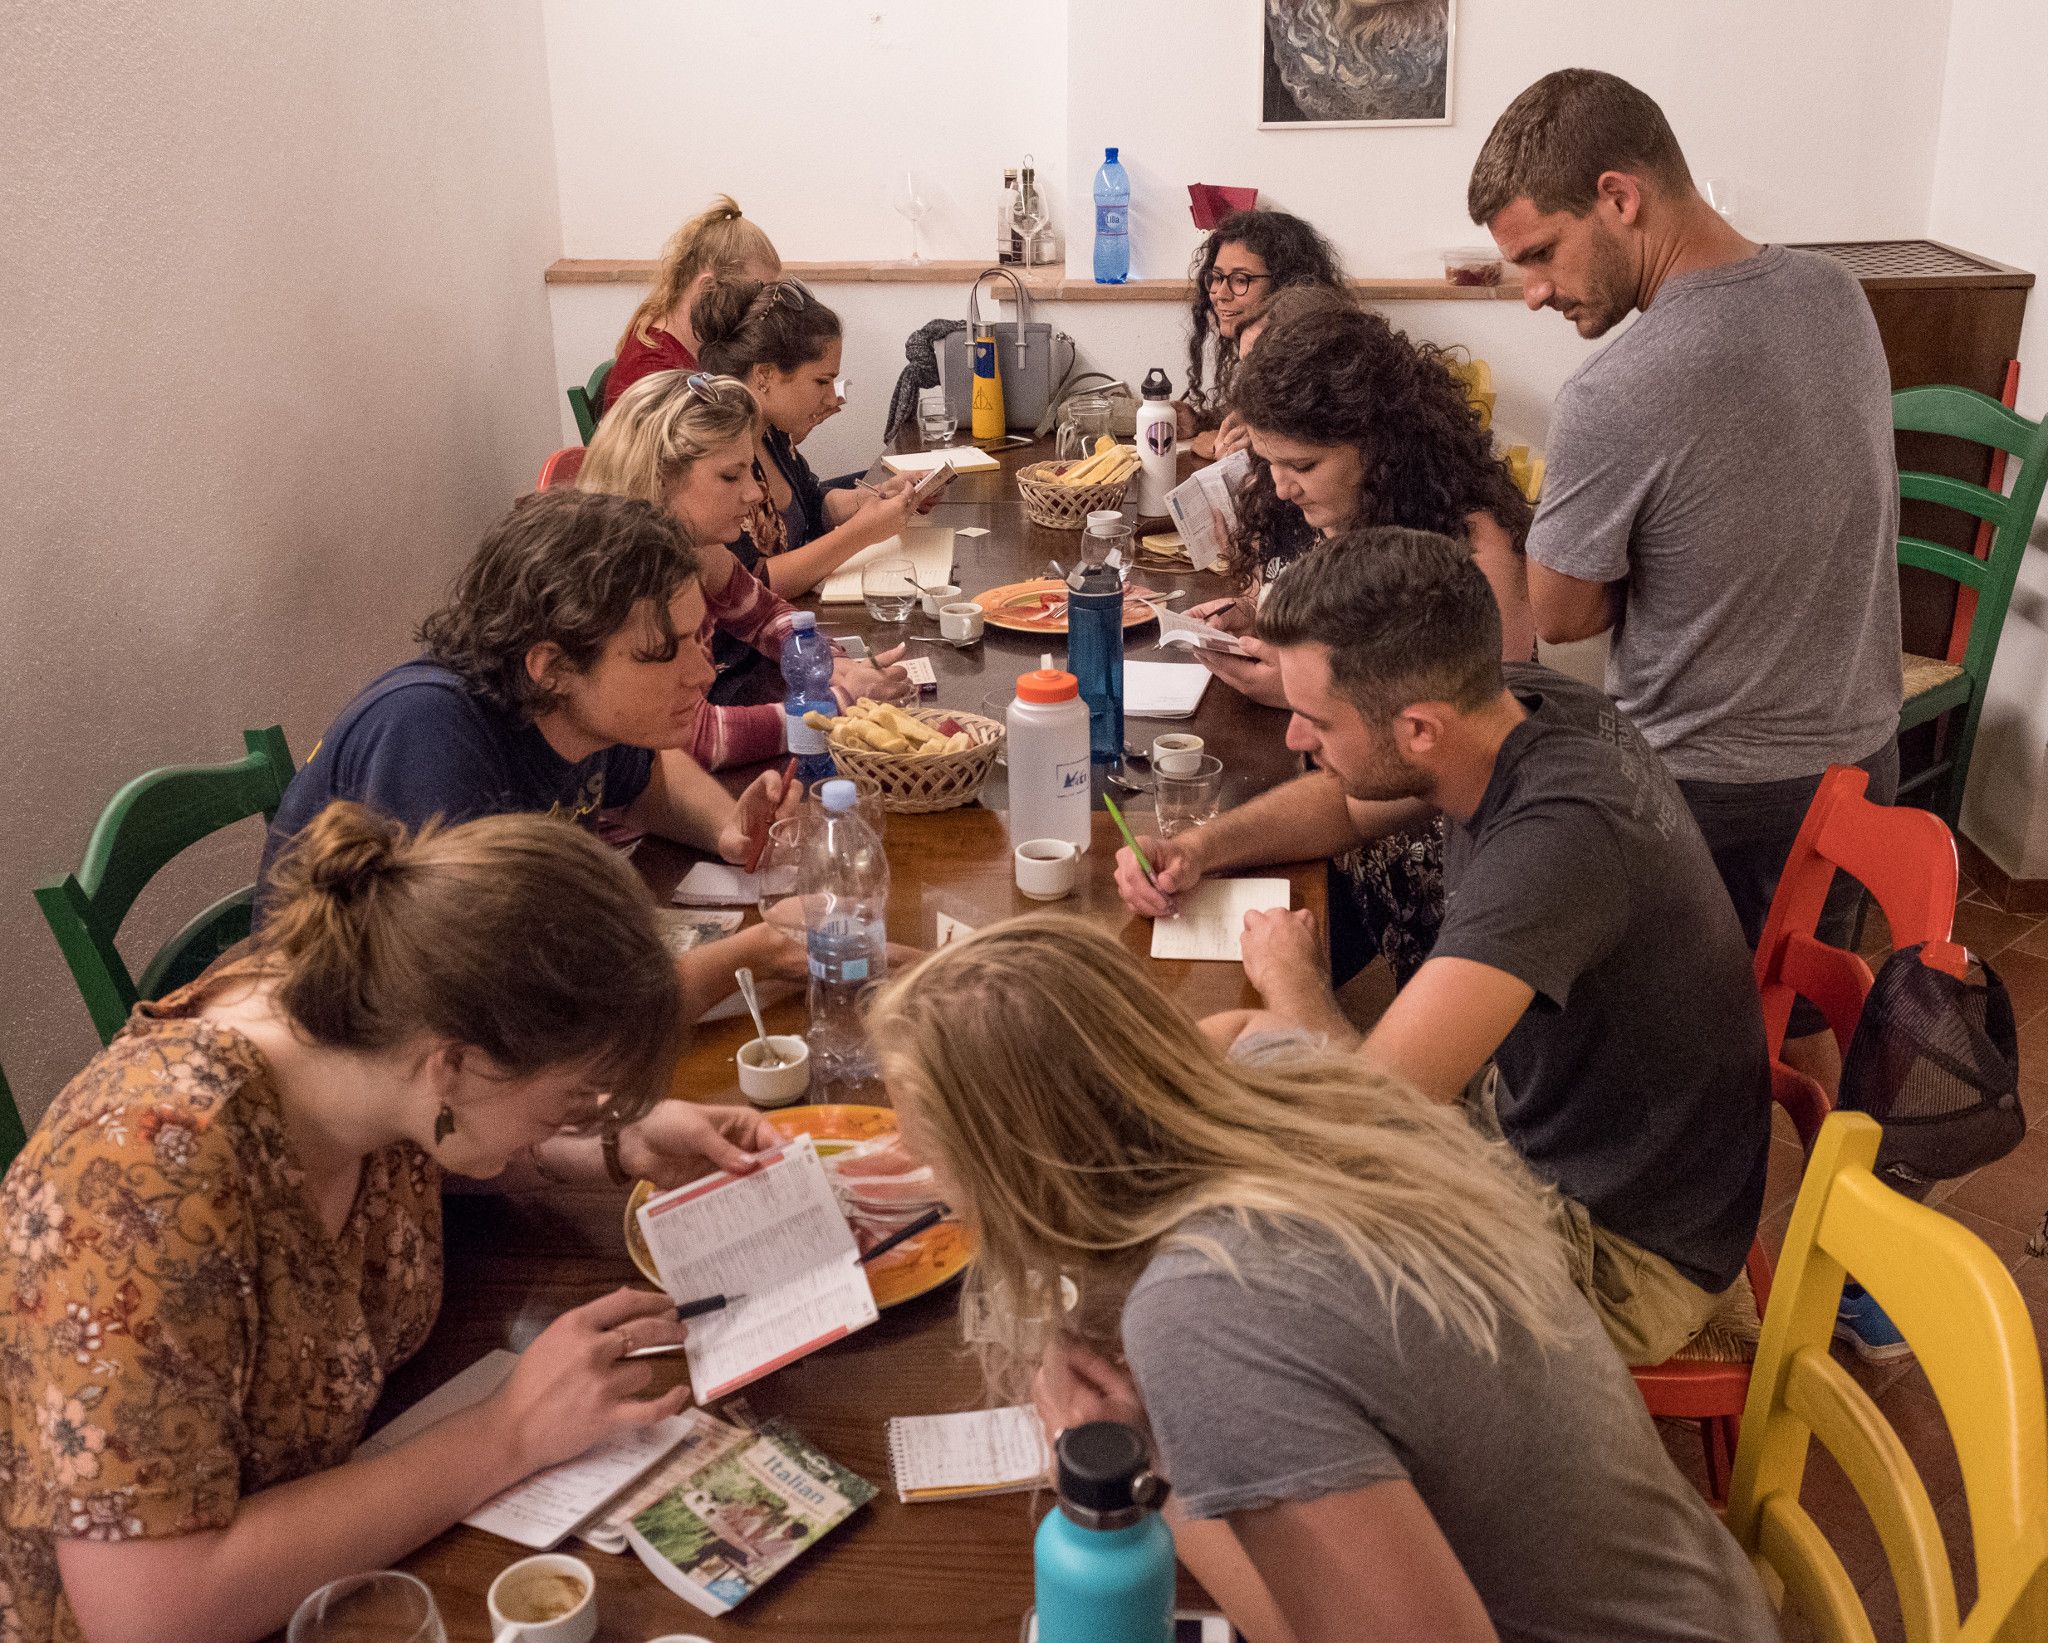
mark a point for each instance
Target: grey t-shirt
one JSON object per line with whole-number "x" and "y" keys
{"x": 1637, "y": 1081}
{"x": 1730, "y": 453}
{"x": 1296, "y": 1379}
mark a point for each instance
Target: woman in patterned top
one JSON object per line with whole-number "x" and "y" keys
{"x": 226, "y": 1231}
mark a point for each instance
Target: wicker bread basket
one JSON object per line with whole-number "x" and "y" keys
{"x": 910, "y": 786}
{"x": 1059, "y": 507}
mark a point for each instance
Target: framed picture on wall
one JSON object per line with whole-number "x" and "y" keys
{"x": 1356, "y": 63}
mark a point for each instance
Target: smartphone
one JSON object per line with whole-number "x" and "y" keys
{"x": 1187, "y": 1628}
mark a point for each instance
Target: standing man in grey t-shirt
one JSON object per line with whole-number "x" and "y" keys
{"x": 1722, "y": 491}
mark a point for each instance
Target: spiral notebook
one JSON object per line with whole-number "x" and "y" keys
{"x": 981, "y": 1452}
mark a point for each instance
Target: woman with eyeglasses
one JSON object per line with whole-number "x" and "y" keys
{"x": 785, "y": 344}
{"x": 1248, "y": 259}
{"x": 686, "y": 443}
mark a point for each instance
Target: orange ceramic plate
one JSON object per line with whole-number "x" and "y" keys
{"x": 1041, "y": 606}
{"x": 913, "y": 1268}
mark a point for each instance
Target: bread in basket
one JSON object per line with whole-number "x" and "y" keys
{"x": 910, "y": 782}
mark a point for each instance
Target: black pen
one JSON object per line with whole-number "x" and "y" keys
{"x": 710, "y": 1303}
{"x": 924, "y": 1223}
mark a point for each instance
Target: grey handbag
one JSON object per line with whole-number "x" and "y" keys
{"x": 1033, "y": 358}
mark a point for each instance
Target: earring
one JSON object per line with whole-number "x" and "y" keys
{"x": 444, "y": 1123}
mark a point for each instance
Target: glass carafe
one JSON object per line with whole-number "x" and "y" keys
{"x": 1084, "y": 419}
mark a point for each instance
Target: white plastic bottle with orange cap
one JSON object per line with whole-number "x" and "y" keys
{"x": 1048, "y": 758}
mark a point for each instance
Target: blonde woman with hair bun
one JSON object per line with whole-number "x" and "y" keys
{"x": 1341, "y": 1314}
{"x": 684, "y": 441}
{"x": 718, "y": 243}
{"x": 225, "y": 1234}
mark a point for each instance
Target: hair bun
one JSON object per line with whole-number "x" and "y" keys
{"x": 347, "y": 849}
{"x": 721, "y": 309}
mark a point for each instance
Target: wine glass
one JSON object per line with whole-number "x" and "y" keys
{"x": 385, "y": 1607}
{"x": 909, "y": 202}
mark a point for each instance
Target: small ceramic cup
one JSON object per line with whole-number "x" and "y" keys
{"x": 547, "y": 1599}
{"x": 1176, "y": 754}
{"x": 935, "y": 598}
{"x": 1047, "y": 868}
{"x": 961, "y": 623}
{"x": 768, "y": 1086}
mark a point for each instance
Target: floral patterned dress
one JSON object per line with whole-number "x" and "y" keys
{"x": 177, "y": 1328}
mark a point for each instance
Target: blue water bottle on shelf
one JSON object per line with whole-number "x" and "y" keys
{"x": 1103, "y": 1560}
{"x": 807, "y": 688}
{"x": 1112, "y": 221}
{"x": 1095, "y": 632}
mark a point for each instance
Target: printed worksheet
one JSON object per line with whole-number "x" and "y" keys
{"x": 1211, "y": 920}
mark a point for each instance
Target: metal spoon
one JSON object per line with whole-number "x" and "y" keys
{"x": 745, "y": 977}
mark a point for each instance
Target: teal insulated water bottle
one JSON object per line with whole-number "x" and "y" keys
{"x": 1104, "y": 1559}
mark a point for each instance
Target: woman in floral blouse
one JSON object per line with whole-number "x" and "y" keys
{"x": 226, "y": 1232}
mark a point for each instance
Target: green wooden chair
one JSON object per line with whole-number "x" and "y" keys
{"x": 1935, "y": 687}
{"x": 12, "y": 1136}
{"x": 588, "y": 401}
{"x": 146, "y": 824}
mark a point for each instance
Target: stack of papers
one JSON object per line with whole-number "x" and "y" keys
{"x": 929, "y": 548}
{"x": 1163, "y": 690}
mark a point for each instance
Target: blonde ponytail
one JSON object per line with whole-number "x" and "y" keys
{"x": 718, "y": 238}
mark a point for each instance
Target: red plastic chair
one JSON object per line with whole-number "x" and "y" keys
{"x": 560, "y": 470}
{"x": 1906, "y": 859}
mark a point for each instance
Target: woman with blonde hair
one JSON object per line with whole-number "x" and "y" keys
{"x": 1342, "y": 1314}
{"x": 717, "y": 243}
{"x": 685, "y": 442}
{"x": 225, "y": 1233}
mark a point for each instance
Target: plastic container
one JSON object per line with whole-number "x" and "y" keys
{"x": 1112, "y": 221}
{"x": 1102, "y": 1560}
{"x": 1095, "y": 631}
{"x": 1047, "y": 741}
{"x": 1472, "y": 265}
{"x": 1158, "y": 445}
{"x": 844, "y": 882}
{"x": 807, "y": 688}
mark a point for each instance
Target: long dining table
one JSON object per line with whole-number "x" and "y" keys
{"x": 959, "y": 1569}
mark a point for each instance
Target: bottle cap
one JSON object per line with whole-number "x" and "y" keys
{"x": 1046, "y": 684}
{"x": 1158, "y": 385}
{"x": 839, "y": 796}
{"x": 803, "y": 621}
{"x": 1103, "y": 1479}
{"x": 1109, "y": 156}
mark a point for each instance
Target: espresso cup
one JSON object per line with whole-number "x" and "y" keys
{"x": 1175, "y": 754}
{"x": 767, "y": 1086}
{"x": 1047, "y": 868}
{"x": 934, "y": 599}
{"x": 547, "y": 1599}
{"x": 960, "y": 623}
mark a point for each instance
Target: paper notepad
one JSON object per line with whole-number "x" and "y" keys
{"x": 929, "y": 548}
{"x": 718, "y": 884}
{"x": 966, "y": 459}
{"x": 1211, "y": 920}
{"x": 982, "y": 1452}
{"x": 547, "y": 1506}
{"x": 1163, "y": 690}
{"x": 777, "y": 1237}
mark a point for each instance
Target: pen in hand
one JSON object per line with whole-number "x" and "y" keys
{"x": 761, "y": 844}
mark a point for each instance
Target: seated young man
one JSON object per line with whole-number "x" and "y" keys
{"x": 563, "y": 676}
{"x": 1589, "y": 954}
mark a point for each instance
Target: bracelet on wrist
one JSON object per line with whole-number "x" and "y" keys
{"x": 612, "y": 1166}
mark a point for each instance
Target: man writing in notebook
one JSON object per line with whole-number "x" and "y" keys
{"x": 1590, "y": 992}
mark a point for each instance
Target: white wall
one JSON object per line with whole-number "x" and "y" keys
{"x": 1986, "y": 198}
{"x": 276, "y": 351}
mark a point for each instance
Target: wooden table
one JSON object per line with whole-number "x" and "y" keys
{"x": 957, "y": 1570}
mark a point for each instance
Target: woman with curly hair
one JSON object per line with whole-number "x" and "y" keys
{"x": 1248, "y": 259}
{"x": 1352, "y": 424}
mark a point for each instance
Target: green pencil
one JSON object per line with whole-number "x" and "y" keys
{"x": 1124, "y": 828}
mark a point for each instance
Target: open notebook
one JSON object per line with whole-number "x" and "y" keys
{"x": 929, "y": 548}
{"x": 980, "y": 1452}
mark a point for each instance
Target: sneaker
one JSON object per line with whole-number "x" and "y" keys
{"x": 1861, "y": 1322}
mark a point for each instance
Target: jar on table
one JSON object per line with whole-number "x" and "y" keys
{"x": 1083, "y": 420}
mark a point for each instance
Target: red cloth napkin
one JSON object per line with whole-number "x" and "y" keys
{"x": 1210, "y": 203}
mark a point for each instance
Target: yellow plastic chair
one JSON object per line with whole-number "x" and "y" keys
{"x": 1963, "y": 1316}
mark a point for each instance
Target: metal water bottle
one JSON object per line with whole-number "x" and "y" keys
{"x": 1103, "y": 1560}
{"x": 989, "y": 421}
{"x": 1095, "y": 632}
{"x": 1158, "y": 455}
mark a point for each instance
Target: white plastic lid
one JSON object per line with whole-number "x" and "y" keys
{"x": 804, "y": 620}
{"x": 839, "y": 796}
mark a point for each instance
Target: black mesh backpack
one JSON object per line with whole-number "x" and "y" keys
{"x": 1935, "y": 1060}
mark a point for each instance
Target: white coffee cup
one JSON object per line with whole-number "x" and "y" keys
{"x": 960, "y": 623}
{"x": 768, "y": 1086}
{"x": 533, "y": 1584}
{"x": 1047, "y": 868}
{"x": 936, "y": 597}
{"x": 1175, "y": 754}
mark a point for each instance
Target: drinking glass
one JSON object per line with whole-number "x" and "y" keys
{"x": 889, "y": 589}
{"x": 1188, "y": 798}
{"x": 910, "y": 203}
{"x": 385, "y": 1607}
{"x": 938, "y": 425}
{"x": 778, "y": 875}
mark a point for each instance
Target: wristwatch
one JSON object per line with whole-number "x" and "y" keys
{"x": 612, "y": 1166}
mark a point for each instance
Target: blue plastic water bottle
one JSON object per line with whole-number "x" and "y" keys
{"x": 1095, "y": 634}
{"x": 844, "y": 881}
{"x": 1112, "y": 221}
{"x": 1103, "y": 1559}
{"x": 807, "y": 688}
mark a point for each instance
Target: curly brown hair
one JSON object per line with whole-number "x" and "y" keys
{"x": 1294, "y": 253}
{"x": 564, "y": 568}
{"x": 1329, "y": 372}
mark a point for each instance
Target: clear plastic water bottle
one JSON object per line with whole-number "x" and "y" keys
{"x": 1112, "y": 221}
{"x": 844, "y": 883}
{"x": 1095, "y": 631}
{"x": 807, "y": 688}
{"x": 1102, "y": 1560}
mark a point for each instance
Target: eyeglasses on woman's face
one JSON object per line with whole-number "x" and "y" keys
{"x": 1237, "y": 282}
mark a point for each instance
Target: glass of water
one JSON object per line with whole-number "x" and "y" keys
{"x": 890, "y": 590}
{"x": 1189, "y": 797}
{"x": 937, "y": 425}
{"x": 385, "y": 1607}
{"x": 779, "y": 875}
